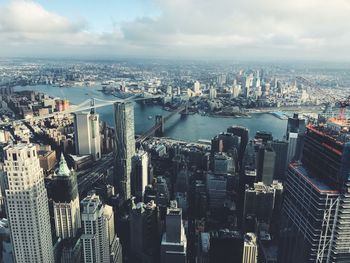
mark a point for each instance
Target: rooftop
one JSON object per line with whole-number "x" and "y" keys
{"x": 317, "y": 184}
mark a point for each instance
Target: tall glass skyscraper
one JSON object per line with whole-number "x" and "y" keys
{"x": 124, "y": 147}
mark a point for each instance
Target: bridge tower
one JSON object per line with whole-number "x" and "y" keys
{"x": 92, "y": 104}
{"x": 160, "y": 131}
{"x": 185, "y": 111}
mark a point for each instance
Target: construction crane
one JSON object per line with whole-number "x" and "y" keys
{"x": 342, "y": 107}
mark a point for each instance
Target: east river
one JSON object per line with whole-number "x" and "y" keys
{"x": 189, "y": 128}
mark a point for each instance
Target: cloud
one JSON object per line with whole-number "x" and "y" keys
{"x": 30, "y": 18}
{"x": 270, "y": 28}
{"x": 312, "y": 29}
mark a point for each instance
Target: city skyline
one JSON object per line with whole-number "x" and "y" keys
{"x": 292, "y": 30}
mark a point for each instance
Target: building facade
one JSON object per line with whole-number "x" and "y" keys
{"x": 87, "y": 134}
{"x": 139, "y": 177}
{"x": 174, "y": 241}
{"x": 27, "y": 205}
{"x": 315, "y": 225}
{"x": 95, "y": 237}
{"x": 124, "y": 147}
{"x": 250, "y": 249}
{"x": 66, "y": 202}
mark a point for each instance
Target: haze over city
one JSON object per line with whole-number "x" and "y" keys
{"x": 186, "y": 29}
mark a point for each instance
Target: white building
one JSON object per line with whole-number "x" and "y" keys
{"x": 96, "y": 227}
{"x": 27, "y": 203}
{"x": 197, "y": 87}
{"x": 212, "y": 93}
{"x": 250, "y": 249}
{"x": 87, "y": 134}
{"x": 236, "y": 91}
{"x": 139, "y": 174}
{"x": 292, "y": 146}
{"x": 66, "y": 203}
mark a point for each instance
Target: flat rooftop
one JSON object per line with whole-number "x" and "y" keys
{"x": 317, "y": 184}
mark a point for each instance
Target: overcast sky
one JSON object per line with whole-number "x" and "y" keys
{"x": 218, "y": 29}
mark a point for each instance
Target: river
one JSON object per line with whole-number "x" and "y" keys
{"x": 189, "y": 128}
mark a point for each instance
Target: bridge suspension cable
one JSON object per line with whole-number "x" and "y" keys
{"x": 85, "y": 105}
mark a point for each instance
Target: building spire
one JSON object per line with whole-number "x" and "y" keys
{"x": 63, "y": 169}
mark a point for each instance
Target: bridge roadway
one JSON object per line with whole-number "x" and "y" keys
{"x": 153, "y": 129}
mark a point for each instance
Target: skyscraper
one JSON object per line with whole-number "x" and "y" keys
{"x": 295, "y": 125}
{"x": 243, "y": 133}
{"x": 144, "y": 232}
{"x": 259, "y": 202}
{"x": 292, "y": 146}
{"x": 124, "y": 146}
{"x": 174, "y": 241}
{"x": 139, "y": 174}
{"x": 27, "y": 205}
{"x": 281, "y": 150}
{"x": 250, "y": 249}
{"x": 87, "y": 134}
{"x": 95, "y": 237}
{"x": 266, "y": 158}
{"x": 65, "y": 201}
{"x": 315, "y": 208}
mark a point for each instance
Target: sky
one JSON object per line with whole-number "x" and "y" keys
{"x": 183, "y": 29}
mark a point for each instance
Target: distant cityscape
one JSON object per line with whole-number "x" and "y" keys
{"x": 77, "y": 186}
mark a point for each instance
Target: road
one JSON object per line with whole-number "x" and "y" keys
{"x": 86, "y": 178}
{"x": 314, "y": 109}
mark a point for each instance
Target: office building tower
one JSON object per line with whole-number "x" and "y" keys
{"x": 162, "y": 192}
{"x": 250, "y": 249}
{"x": 264, "y": 136}
{"x": 197, "y": 87}
{"x": 314, "y": 226}
{"x": 139, "y": 174}
{"x": 223, "y": 164}
{"x": 71, "y": 250}
{"x": 225, "y": 142}
{"x": 266, "y": 158}
{"x": 174, "y": 241}
{"x": 259, "y": 203}
{"x": 95, "y": 237}
{"x": 236, "y": 91}
{"x": 216, "y": 190}
{"x": 212, "y": 93}
{"x": 27, "y": 205}
{"x": 65, "y": 199}
{"x": 144, "y": 232}
{"x": 182, "y": 181}
{"x": 281, "y": 150}
{"x": 292, "y": 147}
{"x": 225, "y": 246}
{"x": 295, "y": 125}
{"x": 87, "y": 134}
{"x": 243, "y": 133}
{"x": 115, "y": 248}
{"x": 124, "y": 147}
